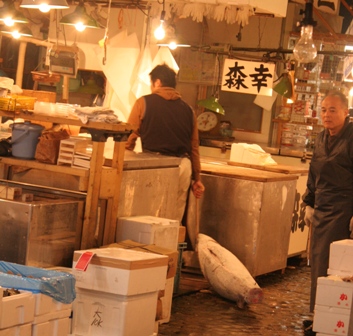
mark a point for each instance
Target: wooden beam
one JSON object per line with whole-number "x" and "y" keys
{"x": 349, "y": 8}
{"x": 324, "y": 21}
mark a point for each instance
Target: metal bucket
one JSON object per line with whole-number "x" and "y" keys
{"x": 25, "y": 137}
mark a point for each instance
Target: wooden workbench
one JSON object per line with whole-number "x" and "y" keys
{"x": 99, "y": 132}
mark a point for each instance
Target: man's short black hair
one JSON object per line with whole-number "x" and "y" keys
{"x": 165, "y": 74}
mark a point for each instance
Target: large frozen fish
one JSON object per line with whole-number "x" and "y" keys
{"x": 226, "y": 273}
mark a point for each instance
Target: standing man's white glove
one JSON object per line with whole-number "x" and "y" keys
{"x": 351, "y": 227}
{"x": 309, "y": 213}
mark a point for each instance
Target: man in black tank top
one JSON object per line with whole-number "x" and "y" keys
{"x": 167, "y": 125}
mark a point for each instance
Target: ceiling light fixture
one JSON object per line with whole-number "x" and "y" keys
{"x": 17, "y": 31}
{"x": 159, "y": 33}
{"x": 80, "y": 19}
{"x": 44, "y": 5}
{"x": 10, "y": 15}
{"x": 173, "y": 43}
{"x": 305, "y": 51}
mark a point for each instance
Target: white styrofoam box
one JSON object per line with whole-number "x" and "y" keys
{"x": 52, "y": 316}
{"x": 332, "y": 320}
{"x": 167, "y": 301}
{"x": 102, "y": 314}
{"x": 341, "y": 255}
{"x": 20, "y": 330}
{"x": 334, "y": 292}
{"x": 16, "y": 309}
{"x": 149, "y": 230}
{"x": 44, "y": 304}
{"x": 121, "y": 271}
{"x": 56, "y": 327}
{"x": 250, "y": 154}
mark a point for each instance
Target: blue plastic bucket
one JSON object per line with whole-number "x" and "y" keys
{"x": 24, "y": 140}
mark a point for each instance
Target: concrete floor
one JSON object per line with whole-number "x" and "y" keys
{"x": 198, "y": 311}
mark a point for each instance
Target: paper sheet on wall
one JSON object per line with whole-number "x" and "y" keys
{"x": 266, "y": 102}
{"x": 141, "y": 85}
{"x": 164, "y": 55}
{"x": 121, "y": 57}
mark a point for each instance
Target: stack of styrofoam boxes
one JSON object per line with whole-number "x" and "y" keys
{"x": 16, "y": 314}
{"x": 333, "y": 307}
{"x": 158, "y": 231}
{"x": 51, "y": 317}
{"x": 116, "y": 295}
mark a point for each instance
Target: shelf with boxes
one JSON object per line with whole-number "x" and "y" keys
{"x": 99, "y": 131}
{"x": 297, "y": 135}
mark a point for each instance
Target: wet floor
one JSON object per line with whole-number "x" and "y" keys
{"x": 197, "y": 311}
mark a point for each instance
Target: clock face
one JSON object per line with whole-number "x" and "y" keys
{"x": 206, "y": 121}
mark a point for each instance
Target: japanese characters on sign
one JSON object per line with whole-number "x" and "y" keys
{"x": 247, "y": 77}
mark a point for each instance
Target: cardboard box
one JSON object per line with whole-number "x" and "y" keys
{"x": 165, "y": 302}
{"x": 135, "y": 246}
{"x": 149, "y": 230}
{"x": 104, "y": 314}
{"x": 16, "y": 309}
{"x": 341, "y": 256}
{"x": 121, "y": 271}
{"x": 182, "y": 234}
{"x": 332, "y": 320}
{"x": 332, "y": 291}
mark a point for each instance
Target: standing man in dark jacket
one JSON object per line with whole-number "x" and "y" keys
{"x": 329, "y": 195}
{"x": 167, "y": 125}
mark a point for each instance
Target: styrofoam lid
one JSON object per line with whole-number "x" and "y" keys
{"x": 123, "y": 258}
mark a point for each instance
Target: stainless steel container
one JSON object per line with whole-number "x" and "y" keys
{"x": 41, "y": 233}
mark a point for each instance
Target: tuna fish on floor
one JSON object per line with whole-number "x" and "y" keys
{"x": 226, "y": 273}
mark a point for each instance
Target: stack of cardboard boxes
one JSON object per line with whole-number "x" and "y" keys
{"x": 333, "y": 310}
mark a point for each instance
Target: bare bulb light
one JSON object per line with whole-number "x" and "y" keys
{"x": 16, "y": 34}
{"x": 159, "y": 33}
{"x": 305, "y": 50}
{"x": 80, "y": 26}
{"x": 44, "y": 8}
{"x": 9, "y": 21}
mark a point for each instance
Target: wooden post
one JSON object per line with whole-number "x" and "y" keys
{"x": 90, "y": 221}
{"x": 20, "y": 64}
{"x": 113, "y": 202}
{"x": 65, "y": 94}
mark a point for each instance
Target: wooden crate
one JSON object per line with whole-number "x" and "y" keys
{"x": 43, "y": 96}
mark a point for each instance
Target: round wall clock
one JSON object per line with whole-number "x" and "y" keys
{"x": 206, "y": 121}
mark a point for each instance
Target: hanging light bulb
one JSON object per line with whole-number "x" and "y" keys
{"x": 44, "y": 5}
{"x": 159, "y": 33}
{"x": 10, "y": 16}
{"x": 17, "y": 31}
{"x": 80, "y": 19}
{"x": 305, "y": 50}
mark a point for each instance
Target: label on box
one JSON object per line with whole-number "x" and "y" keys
{"x": 84, "y": 260}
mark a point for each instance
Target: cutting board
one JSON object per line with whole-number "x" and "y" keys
{"x": 245, "y": 173}
{"x": 279, "y": 168}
